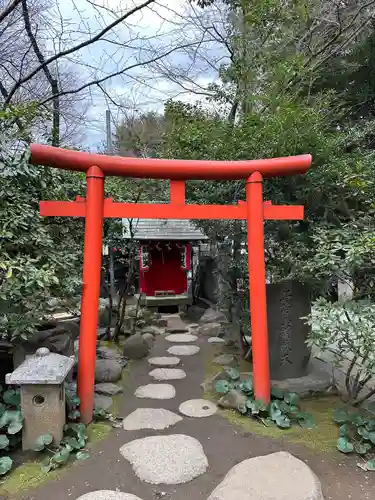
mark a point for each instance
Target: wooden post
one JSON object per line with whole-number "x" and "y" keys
{"x": 92, "y": 259}
{"x": 257, "y": 287}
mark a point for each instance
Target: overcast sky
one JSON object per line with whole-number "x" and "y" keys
{"x": 152, "y": 31}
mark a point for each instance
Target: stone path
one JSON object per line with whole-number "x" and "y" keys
{"x": 180, "y": 448}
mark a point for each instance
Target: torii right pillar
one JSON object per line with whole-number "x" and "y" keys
{"x": 257, "y": 286}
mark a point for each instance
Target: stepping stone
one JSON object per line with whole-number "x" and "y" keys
{"x": 181, "y": 337}
{"x": 216, "y": 340}
{"x": 181, "y": 329}
{"x": 156, "y": 391}
{"x": 108, "y": 389}
{"x": 108, "y": 495}
{"x": 279, "y": 476}
{"x": 164, "y": 361}
{"x": 167, "y": 374}
{"x": 198, "y": 408}
{"x": 184, "y": 350}
{"x": 150, "y": 418}
{"x": 175, "y": 324}
{"x": 173, "y": 459}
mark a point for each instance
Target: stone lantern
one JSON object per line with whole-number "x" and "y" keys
{"x": 41, "y": 379}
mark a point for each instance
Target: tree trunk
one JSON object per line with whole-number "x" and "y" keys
{"x": 120, "y": 318}
{"x": 112, "y": 274}
{"x": 56, "y": 114}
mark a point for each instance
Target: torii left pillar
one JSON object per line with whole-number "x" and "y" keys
{"x": 92, "y": 260}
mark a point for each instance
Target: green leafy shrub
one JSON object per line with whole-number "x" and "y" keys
{"x": 283, "y": 410}
{"x": 347, "y": 331}
{"x": 72, "y": 403}
{"x": 39, "y": 257}
{"x": 74, "y": 441}
{"x": 11, "y": 423}
{"x": 357, "y": 435}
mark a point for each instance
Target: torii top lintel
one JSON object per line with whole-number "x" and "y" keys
{"x": 168, "y": 169}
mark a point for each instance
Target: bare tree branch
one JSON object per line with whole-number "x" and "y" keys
{"x": 52, "y": 81}
{"x": 98, "y": 81}
{"x": 30, "y": 34}
{"x": 11, "y": 7}
{"x": 76, "y": 48}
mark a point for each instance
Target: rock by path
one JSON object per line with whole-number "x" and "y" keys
{"x": 108, "y": 389}
{"x": 216, "y": 340}
{"x": 102, "y": 402}
{"x": 225, "y": 360}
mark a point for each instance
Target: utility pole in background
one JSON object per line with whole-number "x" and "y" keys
{"x": 109, "y": 132}
{"x": 110, "y": 247}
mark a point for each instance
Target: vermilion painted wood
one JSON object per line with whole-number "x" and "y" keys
{"x": 177, "y": 192}
{"x": 92, "y": 260}
{"x": 171, "y": 211}
{"x": 168, "y": 169}
{"x": 257, "y": 286}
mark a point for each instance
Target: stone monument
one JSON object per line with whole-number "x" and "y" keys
{"x": 287, "y": 302}
{"x": 41, "y": 378}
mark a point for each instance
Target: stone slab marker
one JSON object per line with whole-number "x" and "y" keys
{"x": 287, "y": 302}
{"x": 41, "y": 378}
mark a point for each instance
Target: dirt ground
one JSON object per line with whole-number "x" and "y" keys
{"x": 225, "y": 445}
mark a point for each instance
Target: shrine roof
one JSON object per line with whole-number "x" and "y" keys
{"x": 160, "y": 229}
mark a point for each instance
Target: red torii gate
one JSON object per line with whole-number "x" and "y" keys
{"x": 95, "y": 208}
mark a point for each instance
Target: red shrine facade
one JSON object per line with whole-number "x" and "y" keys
{"x": 165, "y": 261}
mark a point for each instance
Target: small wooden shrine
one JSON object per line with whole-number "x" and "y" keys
{"x": 166, "y": 254}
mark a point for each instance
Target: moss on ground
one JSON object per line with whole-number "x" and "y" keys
{"x": 29, "y": 475}
{"x": 97, "y": 431}
{"x": 321, "y": 439}
{"x": 125, "y": 378}
{"x": 26, "y": 476}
